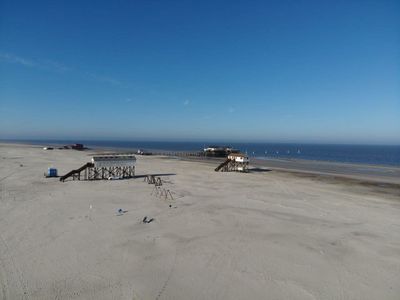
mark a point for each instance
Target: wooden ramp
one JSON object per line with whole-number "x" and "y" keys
{"x": 77, "y": 172}
{"x": 225, "y": 163}
{"x": 231, "y": 165}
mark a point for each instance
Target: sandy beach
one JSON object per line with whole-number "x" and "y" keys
{"x": 273, "y": 233}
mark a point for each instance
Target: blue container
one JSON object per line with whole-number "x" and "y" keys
{"x": 52, "y": 172}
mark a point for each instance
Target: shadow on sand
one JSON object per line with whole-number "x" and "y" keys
{"x": 155, "y": 175}
{"x": 259, "y": 170}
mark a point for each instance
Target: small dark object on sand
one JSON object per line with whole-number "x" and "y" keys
{"x": 145, "y": 220}
{"x": 120, "y": 212}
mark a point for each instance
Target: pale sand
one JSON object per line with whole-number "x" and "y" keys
{"x": 263, "y": 235}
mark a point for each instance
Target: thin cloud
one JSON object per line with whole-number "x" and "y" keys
{"x": 54, "y": 66}
{"x": 105, "y": 79}
{"x": 13, "y": 59}
{"x": 128, "y": 100}
{"x": 48, "y": 65}
{"x": 231, "y": 110}
{"x": 186, "y": 102}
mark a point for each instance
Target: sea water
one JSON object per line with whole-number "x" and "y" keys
{"x": 364, "y": 154}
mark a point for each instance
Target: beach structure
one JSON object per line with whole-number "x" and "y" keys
{"x": 77, "y": 147}
{"x": 152, "y": 179}
{"x": 105, "y": 167}
{"x": 218, "y": 151}
{"x": 51, "y": 172}
{"x": 235, "y": 162}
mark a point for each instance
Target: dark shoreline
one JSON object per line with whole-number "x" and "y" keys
{"x": 306, "y": 168}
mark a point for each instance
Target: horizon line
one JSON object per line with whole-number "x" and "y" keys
{"x": 89, "y": 140}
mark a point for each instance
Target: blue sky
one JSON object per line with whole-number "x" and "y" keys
{"x": 268, "y": 71}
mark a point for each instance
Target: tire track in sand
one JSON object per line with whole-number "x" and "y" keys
{"x": 14, "y": 270}
{"x": 168, "y": 277}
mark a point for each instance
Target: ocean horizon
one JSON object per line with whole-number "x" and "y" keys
{"x": 388, "y": 155}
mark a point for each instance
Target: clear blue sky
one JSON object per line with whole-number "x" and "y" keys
{"x": 271, "y": 71}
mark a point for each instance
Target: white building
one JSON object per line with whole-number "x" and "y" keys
{"x": 107, "y": 161}
{"x": 238, "y": 157}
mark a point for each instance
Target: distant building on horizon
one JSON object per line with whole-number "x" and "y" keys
{"x": 219, "y": 151}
